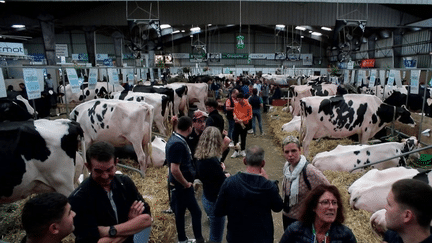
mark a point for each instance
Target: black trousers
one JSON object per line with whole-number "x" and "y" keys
{"x": 238, "y": 130}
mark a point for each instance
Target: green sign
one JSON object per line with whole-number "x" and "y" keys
{"x": 240, "y": 42}
{"x": 234, "y": 56}
{"x": 197, "y": 55}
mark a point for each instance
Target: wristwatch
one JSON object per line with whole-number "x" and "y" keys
{"x": 112, "y": 232}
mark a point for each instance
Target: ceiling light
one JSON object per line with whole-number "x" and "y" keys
{"x": 18, "y": 26}
{"x": 194, "y": 29}
{"x": 209, "y": 25}
{"x": 280, "y": 26}
{"x": 183, "y": 31}
{"x": 175, "y": 32}
{"x": 302, "y": 36}
{"x": 310, "y": 31}
{"x": 326, "y": 28}
{"x": 300, "y": 28}
{"x": 2, "y": 1}
{"x": 229, "y": 25}
{"x": 316, "y": 33}
{"x": 164, "y": 26}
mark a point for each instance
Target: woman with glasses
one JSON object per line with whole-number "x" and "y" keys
{"x": 211, "y": 172}
{"x": 321, "y": 219}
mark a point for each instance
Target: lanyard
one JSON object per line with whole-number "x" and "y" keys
{"x": 314, "y": 233}
{"x": 184, "y": 141}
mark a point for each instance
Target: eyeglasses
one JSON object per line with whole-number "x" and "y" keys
{"x": 327, "y": 203}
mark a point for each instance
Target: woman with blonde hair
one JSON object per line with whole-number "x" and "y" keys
{"x": 211, "y": 173}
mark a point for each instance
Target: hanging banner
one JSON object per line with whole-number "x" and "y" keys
{"x": 410, "y": 62}
{"x": 93, "y": 76}
{"x": 415, "y": 76}
{"x": 61, "y": 50}
{"x": 361, "y": 77}
{"x": 382, "y": 76}
{"x": 101, "y": 57}
{"x": 73, "y": 80}
{"x": 31, "y": 83}
{"x": 113, "y": 77}
{"x": 307, "y": 59}
{"x": 234, "y": 56}
{"x": 372, "y": 78}
{"x": 398, "y": 79}
{"x": 3, "y": 92}
{"x": 240, "y": 42}
{"x": 352, "y": 76}
{"x": 391, "y": 78}
{"x": 346, "y": 76}
{"x": 41, "y": 79}
{"x": 80, "y": 57}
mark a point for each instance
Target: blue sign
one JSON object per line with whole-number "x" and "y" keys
{"x": 37, "y": 57}
{"x": 108, "y": 62}
{"x": 410, "y": 63}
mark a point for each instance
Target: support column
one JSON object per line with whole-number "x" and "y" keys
{"x": 371, "y": 46}
{"x": 90, "y": 36}
{"x": 47, "y": 25}
{"x": 118, "y": 47}
{"x": 397, "y": 48}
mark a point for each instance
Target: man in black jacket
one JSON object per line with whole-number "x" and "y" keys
{"x": 108, "y": 206}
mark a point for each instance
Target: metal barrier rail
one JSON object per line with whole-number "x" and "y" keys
{"x": 397, "y": 156}
{"x": 131, "y": 168}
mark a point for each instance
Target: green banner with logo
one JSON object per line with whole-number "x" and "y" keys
{"x": 235, "y": 56}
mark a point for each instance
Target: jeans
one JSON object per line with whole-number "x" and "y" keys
{"x": 238, "y": 130}
{"x": 256, "y": 114}
{"x": 265, "y": 103}
{"x": 180, "y": 200}
{"x": 217, "y": 224}
{"x": 231, "y": 124}
{"x": 142, "y": 236}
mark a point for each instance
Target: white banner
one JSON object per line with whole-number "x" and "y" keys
{"x": 346, "y": 76}
{"x": 382, "y": 76}
{"x": 307, "y": 59}
{"x": 2, "y": 85}
{"x": 268, "y": 56}
{"x": 113, "y": 77}
{"x": 11, "y": 49}
{"x": 101, "y": 57}
{"x": 391, "y": 78}
{"x": 372, "y": 78}
{"x": 73, "y": 80}
{"x": 31, "y": 83}
{"x": 352, "y": 76}
{"x": 61, "y": 50}
{"x": 93, "y": 76}
{"x": 415, "y": 76}
{"x": 180, "y": 55}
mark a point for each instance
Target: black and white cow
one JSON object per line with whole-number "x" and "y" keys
{"x": 160, "y": 103}
{"x": 177, "y": 96}
{"x": 16, "y": 109}
{"x": 102, "y": 90}
{"x": 343, "y": 116}
{"x": 119, "y": 123}
{"x": 348, "y": 157}
{"x": 302, "y": 91}
{"x": 370, "y": 191}
{"x": 37, "y": 156}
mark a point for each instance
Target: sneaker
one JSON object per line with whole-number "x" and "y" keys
{"x": 263, "y": 134}
{"x": 250, "y": 131}
{"x": 235, "y": 154}
{"x": 243, "y": 153}
{"x": 188, "y": 241}
{"x": 169, "y": 211}
{"x": 231, "y": 144}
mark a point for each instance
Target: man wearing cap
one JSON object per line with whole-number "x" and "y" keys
{"x": 198, "y": 124}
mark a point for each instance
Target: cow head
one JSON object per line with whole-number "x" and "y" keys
{"x": 404, "y": 116}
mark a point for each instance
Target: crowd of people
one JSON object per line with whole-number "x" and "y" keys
{"x": 107, "y": 207}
